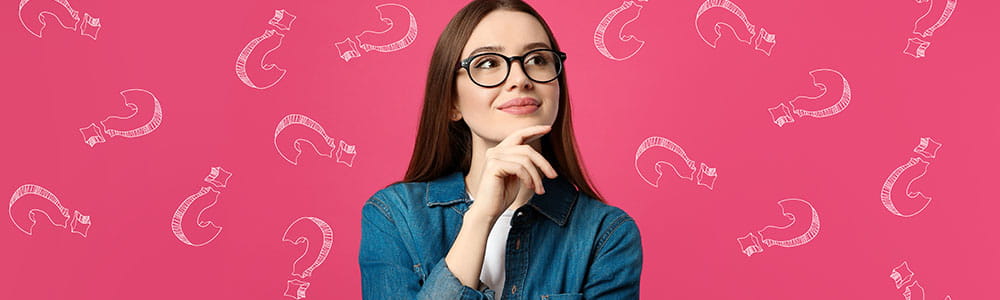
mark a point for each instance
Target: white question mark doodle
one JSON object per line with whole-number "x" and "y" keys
{"x": 678, "y": 161}
{"x": 764, "y": 42}
{"x": 51, "y": 208}
{"x": 907, "y": 173}
{"x": 388, "y": 40}
{"x": 297, "y": 233}
{"x": 146, "y": 117}
{"x": 62, "y": 11}
{"x": 267, "y": 75}
{"x": 311, "y": 132}
{"x": 901, "y": 275}
{"x": 799, "y": 232}
{"x": 826, "y": 80}
{"x": 626, "y": 44}
{"x": 217, "y": 177}
{"x": 917, "y": 46}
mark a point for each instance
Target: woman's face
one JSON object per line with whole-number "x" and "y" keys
{"x": 512, "y": 34}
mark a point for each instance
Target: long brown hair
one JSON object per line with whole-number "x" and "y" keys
{"x": 437, "y": 154}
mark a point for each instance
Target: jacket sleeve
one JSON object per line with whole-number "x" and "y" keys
{"x": 388, "y": 270}
{"x": 617, "y": 265}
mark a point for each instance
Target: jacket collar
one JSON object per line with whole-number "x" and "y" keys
{"x": 556, "y": 204}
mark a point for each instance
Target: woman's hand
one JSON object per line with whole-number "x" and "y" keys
{"x": 509, "y": 166}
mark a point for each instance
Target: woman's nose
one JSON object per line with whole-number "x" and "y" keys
{"x": 517, "y": 76}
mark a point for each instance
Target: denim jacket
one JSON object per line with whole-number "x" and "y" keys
{"x": 562, "y": 245}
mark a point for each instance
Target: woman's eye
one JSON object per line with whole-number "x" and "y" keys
{"x": 486, "y": 63}
{"x": 537, "y": 60}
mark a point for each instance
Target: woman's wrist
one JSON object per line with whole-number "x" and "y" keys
{"x": 478, "y": 215}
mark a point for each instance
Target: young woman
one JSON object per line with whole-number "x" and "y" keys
{"x": 495, "y": 203}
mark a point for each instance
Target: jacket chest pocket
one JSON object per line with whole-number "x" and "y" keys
{"x": 568, "y": 296}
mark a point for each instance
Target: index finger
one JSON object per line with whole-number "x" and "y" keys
{"x": 525, "y": 135}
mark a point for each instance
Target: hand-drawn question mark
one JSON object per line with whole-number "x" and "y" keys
{"x": 909, "y": 172}
{"x": 917, "y": 46}
{"x": 764, "y": 42}
{"x": 309, "y": 131}
{"x": 803, "y": 228}
{"x": 267, "y": 75}
{"x": 217, "y": 177}
{"x": 901, "y": 275}
{"x": 300, "y": 232}
{"x": 388, "y": 40}
{"x": 826, "y": 80}
{"x": 679, "y": 161}
{"x": 62, "y": 11}
{"x": 146, "y": 117}
{"x": 621, "y": 43}
{"x": 51, "y": 208}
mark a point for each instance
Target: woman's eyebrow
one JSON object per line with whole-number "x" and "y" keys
{"x": 527, "y": 47}
{"x": 535, "y": 45}
{"x": 486, "y": 49}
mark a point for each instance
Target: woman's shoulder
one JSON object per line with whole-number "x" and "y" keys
{"x": 613, "y": 226}
{"x": 607, "y": 216}
{"x": 592, "y": 206}
{"x": 402, "y": 195}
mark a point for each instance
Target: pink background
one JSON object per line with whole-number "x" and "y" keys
{"x": 712, "y": 102}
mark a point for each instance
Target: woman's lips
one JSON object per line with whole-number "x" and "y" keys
{"x": 520, "y": 106}
{"x": 521, "y": 109}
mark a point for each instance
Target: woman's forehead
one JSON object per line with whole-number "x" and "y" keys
{"x": 505, "y": 31}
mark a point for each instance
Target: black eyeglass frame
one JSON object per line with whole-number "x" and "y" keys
{"x": 466, "y": 64}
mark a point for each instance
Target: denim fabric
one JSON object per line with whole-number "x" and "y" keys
{"x": 561, "y": 245}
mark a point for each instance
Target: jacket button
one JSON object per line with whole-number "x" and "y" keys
{"x": 517, "y": 244}
{"x": 513, "y": 290}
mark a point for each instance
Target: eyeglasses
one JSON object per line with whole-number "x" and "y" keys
{"x": 491, "y": 69}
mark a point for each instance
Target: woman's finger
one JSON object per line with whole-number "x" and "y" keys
{"x": 529, "y": 166}
{"x": 525, "y": 135}
{"x": 511, "y": 168}
{"x": 538, "y": 160}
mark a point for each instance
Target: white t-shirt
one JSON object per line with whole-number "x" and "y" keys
{"x": 496, "y": 250}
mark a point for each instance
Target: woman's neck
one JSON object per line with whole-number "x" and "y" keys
{"x": 474, "y": 176}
